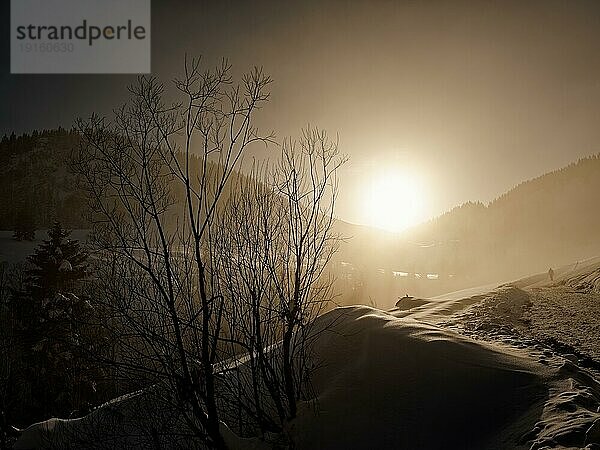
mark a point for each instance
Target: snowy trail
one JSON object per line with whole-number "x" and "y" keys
{"x": 435, "y": 309}
{"x": 557, "y": 309}
{"x": 555, "y": 323}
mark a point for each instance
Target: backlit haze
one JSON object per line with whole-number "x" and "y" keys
{"x": 436, "y": 103}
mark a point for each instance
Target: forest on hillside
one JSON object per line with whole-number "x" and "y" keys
{"x": 36, "y": 183}
{"x": 547, "y": 221}
{"x": 544, "y": 222}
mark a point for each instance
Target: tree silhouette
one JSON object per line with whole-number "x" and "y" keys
{"x": 47, "y": 312}
{"x": 58, "y": 263}
{"x": 201, "y": 267}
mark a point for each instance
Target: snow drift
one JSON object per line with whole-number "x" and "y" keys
{"x": 398, "y": 383}
{"x": 387, "y": 382}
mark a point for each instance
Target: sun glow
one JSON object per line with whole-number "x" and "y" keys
{"x": 394, "y": 200}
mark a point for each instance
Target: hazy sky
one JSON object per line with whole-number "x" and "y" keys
{"x": 469, "y": 97}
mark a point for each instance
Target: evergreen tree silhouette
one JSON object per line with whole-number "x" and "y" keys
{"x": 49, "y": 312}
{"x": 58, "y": 263}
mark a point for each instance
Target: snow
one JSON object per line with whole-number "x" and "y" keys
{"x": 478, "y": 369}
{"x": 399, "y": 383}
{"x": 562, "y": 314}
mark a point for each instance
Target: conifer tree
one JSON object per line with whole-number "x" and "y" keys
{"x": 51, "y": 313}
{"x": 58, "y": 263}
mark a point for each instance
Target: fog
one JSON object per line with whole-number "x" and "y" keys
{"x": 453, "y": 92}
{"x": 547, "y": 222}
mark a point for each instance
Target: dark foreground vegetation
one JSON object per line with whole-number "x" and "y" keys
{"x": 189, "y": 266}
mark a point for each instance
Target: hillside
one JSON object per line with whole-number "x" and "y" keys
{"x": 548, "y": 221}
{"x": 35, "y": 180}
{"x": 541, "y": 223}
{"x": 545, "y": 222}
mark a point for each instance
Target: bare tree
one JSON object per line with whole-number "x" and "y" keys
{"x": 306, "y": 180}
{"x": 248, "y": 223}
{"x": 276, "y": 242}
{"x": 211, "y": 280}
{"x": 154, "y": 203}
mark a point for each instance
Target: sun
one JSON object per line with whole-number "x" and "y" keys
{"x": 393, "y": 200}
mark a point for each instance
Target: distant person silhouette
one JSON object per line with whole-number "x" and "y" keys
{"x": 551, "y": 274}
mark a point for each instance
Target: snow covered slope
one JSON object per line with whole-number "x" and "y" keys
{"x": 388, "y": 382}
{"x": 398, "y": 383}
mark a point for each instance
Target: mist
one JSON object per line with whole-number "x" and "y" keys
{"x": 312, "y": 225}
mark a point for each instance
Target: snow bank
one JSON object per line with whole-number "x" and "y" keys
{"x": 386, "y": 382}
{"x": 142, "y": 419}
